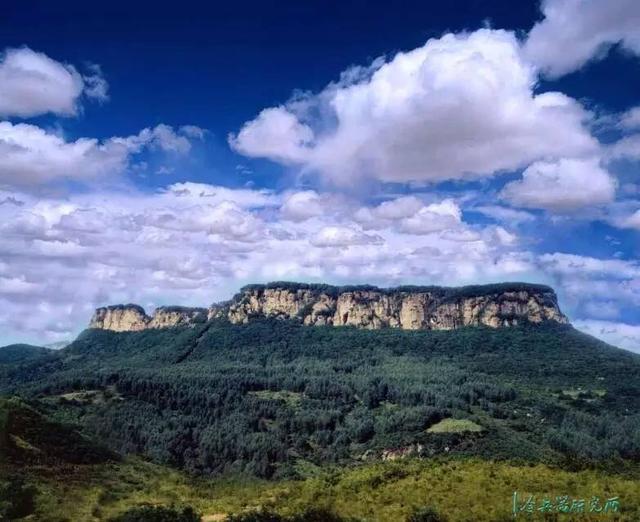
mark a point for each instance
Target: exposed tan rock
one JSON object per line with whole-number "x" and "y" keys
{"x": 167, "y": 316}
{"x": 131, "y": 318}
{"x": 414, "y": 308}
{"x": 120, "y": 318}
{"x": 437, "y": 309}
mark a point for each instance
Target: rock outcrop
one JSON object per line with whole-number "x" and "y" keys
{"x": 131, "y": 317}
{"x": 120, "y": 318}
{"x": 408, "y": 308}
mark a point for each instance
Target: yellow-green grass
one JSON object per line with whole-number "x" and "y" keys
{"x": 455, "y": 426}
{"x": 462, "y": 490}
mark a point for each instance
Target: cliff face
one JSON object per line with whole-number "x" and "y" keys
{"x": 409, "y": 308}
{"x": 120, "y": 318}
{"x": 130, "y": 317}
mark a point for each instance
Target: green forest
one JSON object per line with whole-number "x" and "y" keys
{"x": 279, "y": 402}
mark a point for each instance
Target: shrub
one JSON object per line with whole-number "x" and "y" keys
{"x": 17, "y": 499}
{"x": 150, "y": 513}
{"x": 425, "y": 514}
{"x": 256, "y": 516}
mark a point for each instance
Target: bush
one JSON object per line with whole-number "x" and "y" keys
{"x": 425, "y": 514}
{"x": 17, "y": 499}
{"x": 149, "y": 513}
{"x": 317, "y": 515}
{"x": 256, "y": 516}
{"x": 308, "y": 515}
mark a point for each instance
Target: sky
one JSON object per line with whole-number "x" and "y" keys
{"x": 164, "y": 155}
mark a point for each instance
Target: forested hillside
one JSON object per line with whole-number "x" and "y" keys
{"x": 276, "y": 399}
{"x": 17, "y": 353}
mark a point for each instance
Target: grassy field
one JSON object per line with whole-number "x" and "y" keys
{"x": 460, "y": 490}
{"x": 455, "y": 426}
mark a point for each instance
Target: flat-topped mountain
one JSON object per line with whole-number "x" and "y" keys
{"x": 407, "y": 307}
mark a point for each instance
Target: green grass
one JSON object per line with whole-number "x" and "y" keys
{"x": 455, "y": 426}
{"x": 462, "y": 490}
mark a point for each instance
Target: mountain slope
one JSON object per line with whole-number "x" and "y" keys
{"x": 274, "y": 397}
{"x": 17, "y": 353}
{"x": 30, "y": 441}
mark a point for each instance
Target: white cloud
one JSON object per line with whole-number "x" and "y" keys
{"x": 627, "y": 147}
{"x": 388, "y": 212}
{"x": 190, "y": 193}
{"x": 31, "y": 156}
{"x": 31, "y": 83}
{"x": 433, "y": 218}
{"x": 585, "y": 281}
{"x": 95, "y": 85}
{"x": 337, "y": 236}
{"x": 505, "y": 214}
{"x": 576, "y": 31}
{"x": 461, "y": 106}
{"x": 602, "y": 309}
{"x": 307, "y": 204}
{"x": 624, "y": 213}
{"x": 275, "y": 134}
{"x": 564, "y": 185}
{"x": 402, "y": 207}
{"x": 630, "y": 221}
{"x": 195, "y": 243}
{"x": 571, "y": 264}
{"x": 630, "y": 119}
{"x": 618, "y": 334}
{"x": 193, "y": 131}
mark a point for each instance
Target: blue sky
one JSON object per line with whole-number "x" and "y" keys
{"x": 169, "y": 156}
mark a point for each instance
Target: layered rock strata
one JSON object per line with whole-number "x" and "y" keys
{"x": 408, "y": 308}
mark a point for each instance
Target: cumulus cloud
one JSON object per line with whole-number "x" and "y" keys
{"x": 461, "y": 106}
{"x": 277, "y": 134}
{"x": 618, "y": 334}
{"x": 573, "y": 32}
{"x": 31, "y": 83}
{"x": 303, "y": 205}
{"x": 31, "y": 156}
{"x": 433, "y": 218}
{"x": 563, "y": 185}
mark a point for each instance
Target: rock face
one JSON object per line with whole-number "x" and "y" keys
{"x": 166, "y": 316}
{"x": 131, "y": 317}
{"x": 120, "y": 318}
{"x": 408, "y": 308}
